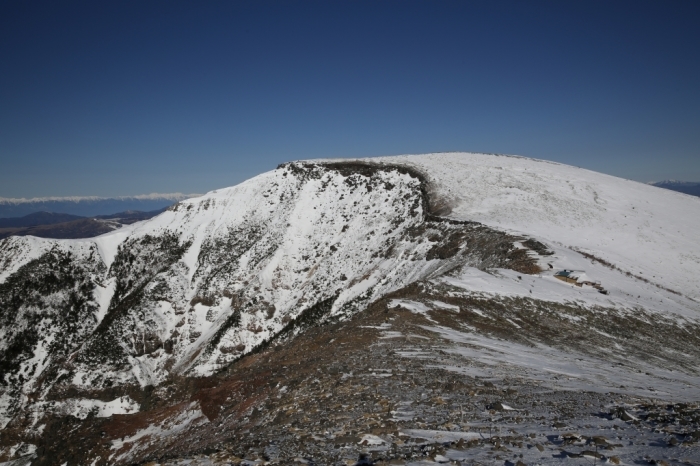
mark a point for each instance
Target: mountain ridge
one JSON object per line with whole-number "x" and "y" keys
{"x": 463, "y": 246}
{"x": 66, "y": 226}
{"x": 36, "y": 219}
{"x": 685, "y": 187}
{"x": 88, "y": 206}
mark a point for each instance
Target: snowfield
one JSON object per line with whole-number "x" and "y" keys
{"x": 642, "y": 229}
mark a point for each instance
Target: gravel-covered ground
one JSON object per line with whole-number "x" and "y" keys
{"x": 385, "y": 388}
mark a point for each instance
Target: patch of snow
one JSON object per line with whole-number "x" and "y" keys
{"x": 369, "y": 439}
{"x": 435, "y": 436}
{"x": 413, "y": 306}
{"x": 103, "y": 296}
{"x": 489, "y": 357}
{"x": 83, "y": 407}
{"x": 191, "y": 416}
{"x": 442, "y": 305}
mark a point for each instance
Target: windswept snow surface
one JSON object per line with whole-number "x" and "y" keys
{"x": 624, "y": 292}
{"x": 491, "y": 358}
{"x": 642, "y": 229}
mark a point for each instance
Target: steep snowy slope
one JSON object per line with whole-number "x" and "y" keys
{"x": 93, "y": 325}
{"x": 214, "y": 277}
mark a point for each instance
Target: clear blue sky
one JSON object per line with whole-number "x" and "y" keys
{"x": 128, "y": 97}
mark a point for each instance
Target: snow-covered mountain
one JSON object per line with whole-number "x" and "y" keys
{"x": 685, "y": 187}
{"x": 88, "y": 326}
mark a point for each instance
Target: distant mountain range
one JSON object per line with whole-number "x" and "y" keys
{"x": 64, "y": 226}
{"x": 36, "y": 219}
{"x": 88, "y": 206}
{"x": 685, "y": 187}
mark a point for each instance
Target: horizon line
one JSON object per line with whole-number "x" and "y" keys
{"x": 144, "y": 197}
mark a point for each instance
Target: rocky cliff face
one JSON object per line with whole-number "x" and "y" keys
{"x": 113, "y": 327}
{"x": 215, "y": 277}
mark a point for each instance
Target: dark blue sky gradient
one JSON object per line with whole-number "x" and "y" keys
{"x": 129, "y": 97}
